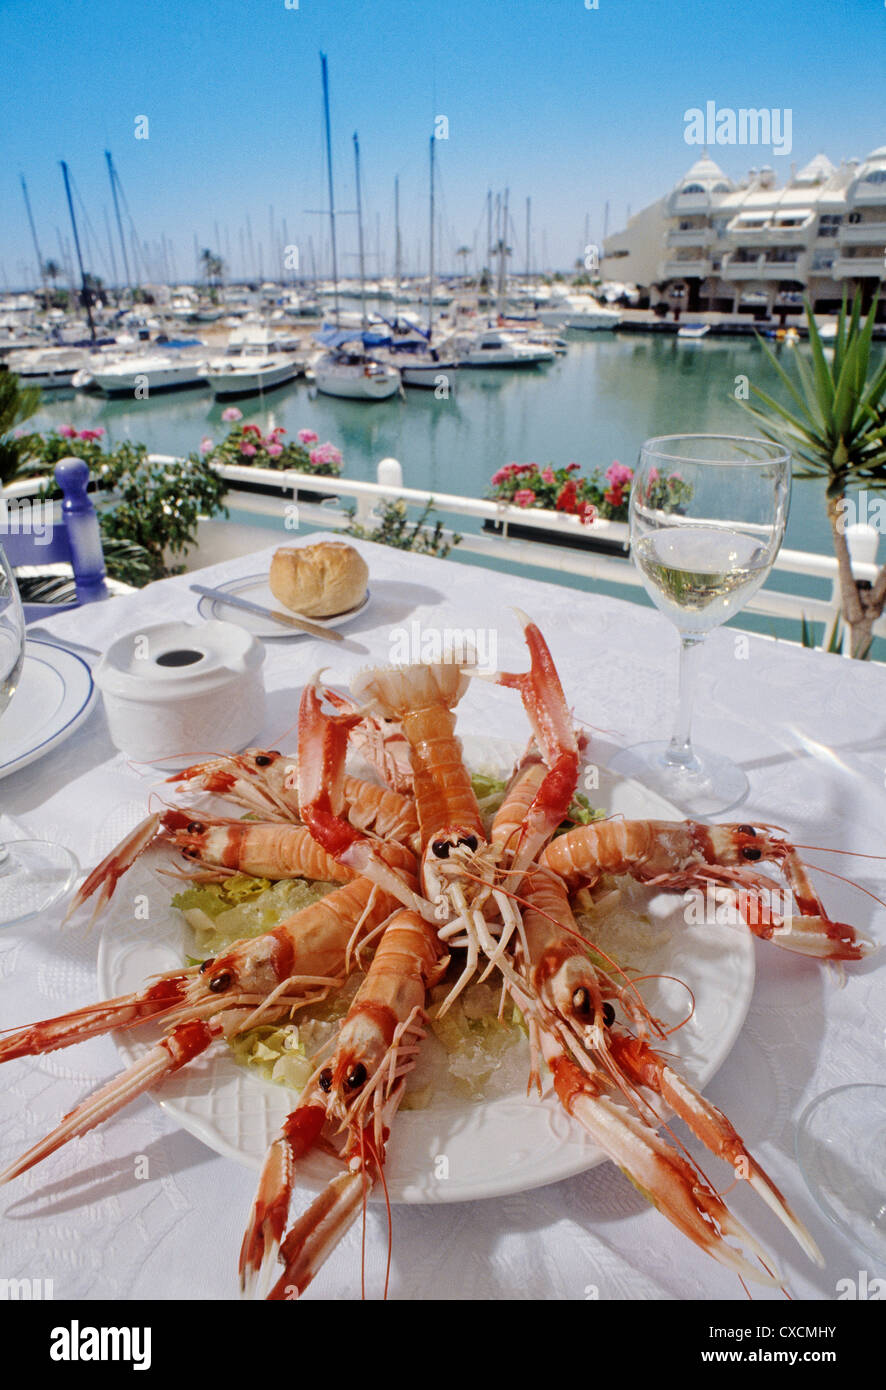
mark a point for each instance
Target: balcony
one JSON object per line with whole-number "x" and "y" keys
{"x": 739, "y": 233}
{"x": 863, "y": 234}
{"x": 682, "y": 203}
{"x": 759, "y": 268}
{"x": 696, "y": 236}
{"x": 860, "y": 267}
{"x": 671, "y": 270}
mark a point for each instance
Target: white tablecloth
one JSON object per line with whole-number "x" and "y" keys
{"x": 811, "y": 731}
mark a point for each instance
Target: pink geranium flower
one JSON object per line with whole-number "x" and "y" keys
{"x": 68, "y": 432}
{"x": 275, "y": 450}
{"x": 205, "y": 444}
{"x": 247, "y": 449}
{"x": 618, "y": 474}
{"x": 524, "y": 497}
{"x": 232, "y": 413}
{"x": 91, "y": 434}
{"x": 307, "y": 437}
{"x": 547, "y": 475}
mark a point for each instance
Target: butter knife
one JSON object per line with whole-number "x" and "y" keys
{"x": 220, "y": 596}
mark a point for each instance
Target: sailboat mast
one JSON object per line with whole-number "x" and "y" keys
{"x": 87, "y": 293}
{"x": 41, "y": 268}
{"x": 329, "y": 177}
{"x": 528, "y": 225}
{"x": 360, "y": 233}
{"x": 398, "y": 251}
{"x": 112, "y": 175}
{"x": 431, "y": 255}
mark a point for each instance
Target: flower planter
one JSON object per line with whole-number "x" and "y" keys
{"x": 611, "y": 541}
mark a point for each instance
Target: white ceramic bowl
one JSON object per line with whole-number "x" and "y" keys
{"x": 174, "y": 692}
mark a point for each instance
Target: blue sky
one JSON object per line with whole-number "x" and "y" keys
{"x": 568, "y": 105}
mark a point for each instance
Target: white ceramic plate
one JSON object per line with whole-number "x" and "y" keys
{"x": 54, "y": 696}
{"x": 256, "y": 589}
{"x": 509, "y": 1143}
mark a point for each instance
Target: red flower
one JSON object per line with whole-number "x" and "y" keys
{"x": 251, "y": 429}
{"x": 566, "y": 497}
{"x": 615, "y": 496}
{"x": 524, "y": 497}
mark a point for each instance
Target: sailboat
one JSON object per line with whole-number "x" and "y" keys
{"x": 345, "y": 369}
{"x": 410, "y": 348}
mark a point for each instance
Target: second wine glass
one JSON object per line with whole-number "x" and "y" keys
{"x": 708, "y": 514}
{"x": 34, "y": 874}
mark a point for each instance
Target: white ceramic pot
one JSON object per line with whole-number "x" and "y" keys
{"x": 176, "y": 692}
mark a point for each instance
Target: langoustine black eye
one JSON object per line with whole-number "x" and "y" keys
{"x": 324, "y": 1080}
{"x": 219, "y": 983}
{"x": 441, "y": 848}
{"x": 196, "y": 827}
{"x": 469, "y": 840}
{"x": 356, "y": 1076}
{"x": 263, "y": 760}
{"x": 749, "y": 852}
{"x": 747, "y": 830}
{"x": 207, "y": 965}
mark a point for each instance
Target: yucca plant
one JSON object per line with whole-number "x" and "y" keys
{"x": 837, "y": 432}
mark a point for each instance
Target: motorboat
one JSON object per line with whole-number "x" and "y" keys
{"x": 150, "y": 372}
{"x": 47, "y": 367}
{"x": 579, "y": 311}
{"x": 250, "y": 372}
{"x": 693, "y": 331}
{"x": 496, "y": 347}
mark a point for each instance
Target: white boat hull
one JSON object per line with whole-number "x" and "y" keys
{"x": 225, "y": 382}
{"x": 356, "y": 383}
{"x": 125, "y": 381}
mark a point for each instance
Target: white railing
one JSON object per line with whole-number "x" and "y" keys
{"x": 559, "y": 557}
{"x": 564, "y": 555}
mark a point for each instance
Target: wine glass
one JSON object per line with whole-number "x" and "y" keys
{"x": 708, "y": 514}
{"x": 34, "y": 874}
{"x": 841, "y": 1149}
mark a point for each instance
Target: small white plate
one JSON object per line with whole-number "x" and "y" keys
{"x": 53, "y": 697}
{"x": 505, "y": 1144}
{"x": 256, "y": 589}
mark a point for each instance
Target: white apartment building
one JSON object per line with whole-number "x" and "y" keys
{"x": 754, "y": 248}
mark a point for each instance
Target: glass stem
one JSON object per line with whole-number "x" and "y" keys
{"x": 680, "y": 752}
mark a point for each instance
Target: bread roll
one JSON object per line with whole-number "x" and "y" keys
{"x": 319, "y": 580}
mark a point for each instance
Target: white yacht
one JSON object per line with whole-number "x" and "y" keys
{"x": 579, "y": 311}
{"x": 496, "y": 347}
{"x": 155, "y": 371}
{"x": 47, "y": 367}
{"x": 254, "y": 371}
{"x": 346, "y": 370}
{"x": 254, "y": 361}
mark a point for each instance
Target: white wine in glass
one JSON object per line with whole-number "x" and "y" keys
{"x": 34, "y": 874}
{"x": 708, "y": 514}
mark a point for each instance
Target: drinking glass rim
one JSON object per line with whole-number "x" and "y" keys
{"x": 779, "y": 455}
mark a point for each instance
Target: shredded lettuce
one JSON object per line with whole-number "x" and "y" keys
{"x": 242, "y": 907}
{"x": 580, "y": 812}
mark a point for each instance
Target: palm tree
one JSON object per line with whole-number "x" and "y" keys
{"x": 838, "y": 430}
{"x": 462, "y": 253}
{"x": 213, "y": 267}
